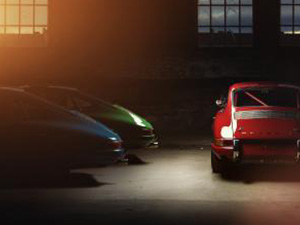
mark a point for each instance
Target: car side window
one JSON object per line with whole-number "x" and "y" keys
{"x": 82, "y": 103}
{"x": 58, "y": 98}
{"x": 62, "y": 99}
{"x": 65, "y": 101}
{"x": 85, "y": 104}
{"x": 37, "y": 110}
{"x": 89, "y": 104}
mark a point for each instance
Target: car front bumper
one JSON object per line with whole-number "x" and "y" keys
{"x": 96, "y": 158}
{"x": 140, "y": 141}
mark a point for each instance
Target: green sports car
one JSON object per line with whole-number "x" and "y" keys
{"x": 135, "y": 131}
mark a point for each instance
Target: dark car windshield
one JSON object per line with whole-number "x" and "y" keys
{"x": 72, "y": 100}
{"x": 266, "y": 96}
{"x": 18, "y": 106}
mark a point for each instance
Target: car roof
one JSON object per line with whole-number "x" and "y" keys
{"x": 50, "y": 86}
{"x": 12, "y": 89}
{"x": 62, "y": 88}
{"x": 261, "y": 84}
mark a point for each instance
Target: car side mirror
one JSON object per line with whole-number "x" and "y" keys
{"x": 221, "y": 103}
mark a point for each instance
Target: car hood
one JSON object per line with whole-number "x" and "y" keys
{"x": 267, "y": 124}
{"x": 122, "y": 115}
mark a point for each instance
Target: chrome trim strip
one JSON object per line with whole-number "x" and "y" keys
{"x": 266, "y": 114}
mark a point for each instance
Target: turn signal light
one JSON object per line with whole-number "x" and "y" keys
{"x": 116, "y": 144}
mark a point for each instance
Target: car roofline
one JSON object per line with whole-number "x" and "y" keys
{"x": 262, "y": 84}
{"x": 12, "y": 89}
{"x": 49, "y": 86}
{"x": 63, "y": 87}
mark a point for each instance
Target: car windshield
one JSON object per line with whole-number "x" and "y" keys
{"x": 266, "y": 96}
{"x": 19, "y": 106}
{"x": 72, "y": 100}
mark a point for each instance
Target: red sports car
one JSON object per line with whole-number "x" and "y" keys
{"x": 259, "y": 122}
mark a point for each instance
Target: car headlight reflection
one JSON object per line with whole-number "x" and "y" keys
{"x": 137, "y": 120}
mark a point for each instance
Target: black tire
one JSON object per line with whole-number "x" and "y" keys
{"x": 217, "y": 165}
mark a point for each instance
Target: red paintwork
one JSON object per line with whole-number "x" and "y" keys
{"x": 264, "y": 132}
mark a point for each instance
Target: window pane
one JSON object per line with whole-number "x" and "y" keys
{"x": 203, "y": 16}
{"x": 41, "y": 15}
{"x": 1, "y": 15}
{"x": 219, "y": 2}
{"x": 232, "y": 2}
{"x": 217, "y": 29}
{"x": 12, "y": 30}
{"x": 232, "y": 15}
{"x": 286, "y": 1}
{"x": 232, "y": 30}
{"x": 27, "y": 15}
{"x": 27, "y": 2}
{"x": 12, "y": 1}
{"x": 297, "y": 15}
{"x": 204, "y": 2}
{"x": 42, "y": 2}
{"x": 246, "y": 16}
{"x": 26, "y": 30}
{"x": 246, "y": 30}
{"x": 12, "y": 15}
{"x": 286, "y": 15}
{"x": 287, "y": 30}
{"x": 297, "y": 30}
{"x": 218, "y": 16}
{"x": 246, "y": 2}
{"x": 40, "y": 30}
{"x": 1, "y": 30}
{"x": 203, "y": 29}
{"x": 297, "y": 1}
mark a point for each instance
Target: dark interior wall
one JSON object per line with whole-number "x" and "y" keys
{"x": 98, "y": 44}
{"x": 100, "y": 37}
{"x": 132, "y": 25}
{"x": 266, "y": 24}
{"x": 102, "y": 33}
{"x": 93, "y": 39}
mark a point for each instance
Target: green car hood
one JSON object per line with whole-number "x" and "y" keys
{"x": 119, "y": 114}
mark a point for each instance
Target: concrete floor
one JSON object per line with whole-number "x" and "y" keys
{"x": 165, "y": 186}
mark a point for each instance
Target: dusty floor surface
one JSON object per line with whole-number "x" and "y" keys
{"x": 170, "y": 185}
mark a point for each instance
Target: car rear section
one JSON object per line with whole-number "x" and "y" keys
{"x": 260, "y": 124}
{"x": 266, "y": 135}
{"x": 260, "y": 136}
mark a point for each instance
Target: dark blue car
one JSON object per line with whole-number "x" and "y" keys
{"x": 34, "y": 132}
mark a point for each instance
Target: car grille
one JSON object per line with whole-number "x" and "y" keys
{"x": 266, "y": 114}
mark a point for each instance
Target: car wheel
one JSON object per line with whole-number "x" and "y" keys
{"x": 217, "y": 165}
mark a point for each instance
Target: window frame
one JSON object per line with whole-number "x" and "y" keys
{"x": 293, "y": 24}
{"x": 290, "y": 38}
{"x": 225, "y": 26}
{"x": 19, "y": 38}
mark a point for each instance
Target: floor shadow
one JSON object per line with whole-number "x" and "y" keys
{"x": 135, "y": 160}
{"x": 63, "y": 179}
{"x": 257, "y": 173}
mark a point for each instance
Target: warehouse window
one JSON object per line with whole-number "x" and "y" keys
{"x": 290, "y": 22}
{"x": 225, "y": 22}
{"x": 23, "y": 22}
